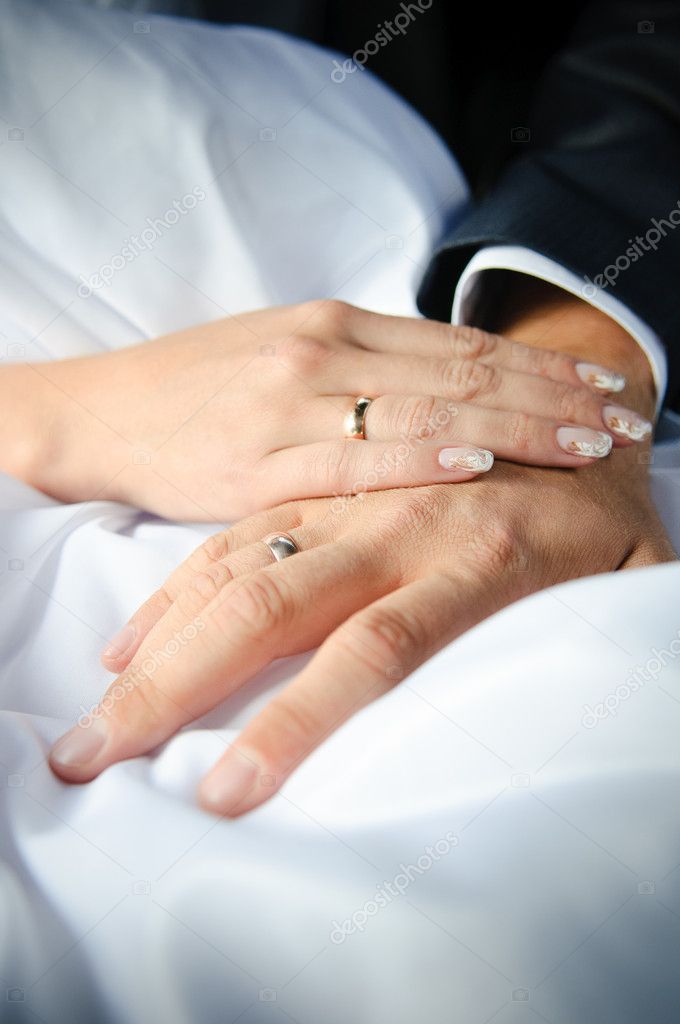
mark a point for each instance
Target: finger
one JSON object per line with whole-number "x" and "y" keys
{"x": 466, "y": 380}
{"x": 347, "y": 467}
{"x": 216, "y": 548}
{"x": 192, "y": 660}
{"x": 515, "y": 436}
{"x": 406, "y": 336}
{"x": 364, "y": 658}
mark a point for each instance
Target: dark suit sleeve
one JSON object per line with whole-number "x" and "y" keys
{"x": 598, "y": 186}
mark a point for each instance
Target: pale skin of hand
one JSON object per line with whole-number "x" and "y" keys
{"x": 222, "y": 420}
{"x": 377, "y": 606}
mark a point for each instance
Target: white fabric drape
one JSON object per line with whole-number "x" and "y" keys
{"x": 478, "y": 845}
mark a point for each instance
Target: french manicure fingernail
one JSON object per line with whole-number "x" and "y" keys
{"x": 226, "y": 787}
{"x": 600, "y": 378}
{"x": 120, "y": 643}
{"x": 626, "y": 423}
{"x": 80, "y": 745}
{"x": 594, "y": 444}
{"x": 474, "y": 460}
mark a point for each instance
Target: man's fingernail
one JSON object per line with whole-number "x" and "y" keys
{"x": 594, "y": 444}
{"x": 600, "y": 377}
{"x": 229, "y": 783}
{"x": 80, "y": 745}
{"x": 474, "y": 460}
{"x": 120, "y": 642}
{"x": 626, "y": 423}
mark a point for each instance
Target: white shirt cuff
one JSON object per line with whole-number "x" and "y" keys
{"x": 526, "y": 261}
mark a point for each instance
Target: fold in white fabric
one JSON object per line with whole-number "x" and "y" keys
{"x": 495, "y": 840}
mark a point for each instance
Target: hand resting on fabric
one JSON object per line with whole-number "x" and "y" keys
{"x": 222, "y": 420}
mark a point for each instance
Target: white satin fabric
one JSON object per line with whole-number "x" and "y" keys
{"x": 477, "y": 846}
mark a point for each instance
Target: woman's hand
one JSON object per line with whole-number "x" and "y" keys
{"x": 235, "y": 416}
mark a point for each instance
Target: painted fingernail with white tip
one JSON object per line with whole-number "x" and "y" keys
{"x": 593, "y": 444}
{"x": 474, "y": 460}
{"x": 626, "y": 423}
{"x": 600, "y": 378}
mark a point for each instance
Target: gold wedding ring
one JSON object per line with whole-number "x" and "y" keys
{"x": 355, "y": 418}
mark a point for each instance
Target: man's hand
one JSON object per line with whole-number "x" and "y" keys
{"x": 381, "y": 585}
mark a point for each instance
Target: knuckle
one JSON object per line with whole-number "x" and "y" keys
{"x": 416, "y": 415}
{"x": 468, "y": 379}
{"x": 542, "y": 361}
{"x": 381, "y": 637}
{"x": 213, "y": 549}
{"x": 494, "y": 547}
{"x": 545, "y": 363}
{"x": 260, "y": 604}
{"x": 327, "y": 317}
{"x": 529, "y": 359}
{"x": 574, "y": 404}
{"x": 159, "y": 601}
{"x": 192, "y": 599}
{"x": 334, "y": 316}
{"x": 301, "y": 354}
{"x": 209, "y": 582}
{"x": 331, "y": 467}
{"x": 474, "y": 343}
{"x": 519, "y": 431}
{"x": 415, "y": 512}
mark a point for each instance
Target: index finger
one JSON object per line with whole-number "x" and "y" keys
{"x": 199, "y": 653}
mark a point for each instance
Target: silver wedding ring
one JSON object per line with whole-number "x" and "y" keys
{"x": 355, "y": 418}
{"x": 281, "y": 545}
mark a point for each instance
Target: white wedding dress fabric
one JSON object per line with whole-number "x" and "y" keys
{"x": 497, "y": 839}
